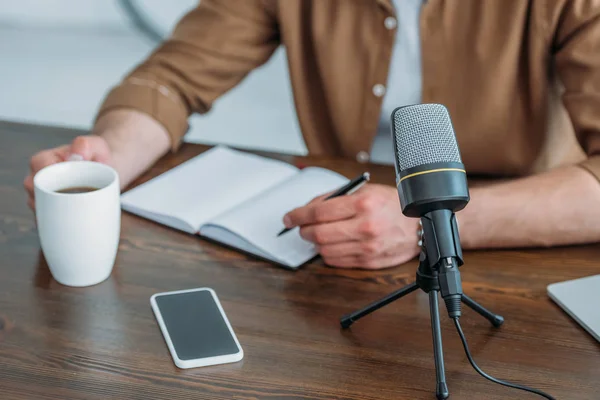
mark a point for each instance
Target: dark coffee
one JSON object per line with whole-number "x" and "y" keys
{"x": 77, "y": 189}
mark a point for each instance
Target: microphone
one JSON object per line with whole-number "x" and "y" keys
{"x": 432, "y": 186}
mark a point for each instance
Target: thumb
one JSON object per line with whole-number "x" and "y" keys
{"x": 89, "y": 148}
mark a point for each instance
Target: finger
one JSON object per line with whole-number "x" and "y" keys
{"x": 346, "y": 230}
{"x": 28, "y": 184}
{"x": 336, "y": 209}
{"x": 360, "y": 262}
{"x": 333, "y": 232}
{"x": 91, "y": 148}
{"x": 43, "y": 159}
{"x": 31, "y": 203}
{"x": 289, "y": 221}
{"x": 368, "y": 248}
{"x": 63, "y": 152}
{"x": 81, "y": 147}
{"x": 343, "y": 262}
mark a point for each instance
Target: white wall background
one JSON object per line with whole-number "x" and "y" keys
{"x": 61, "y": 12}
{"x": 59, "y": 58}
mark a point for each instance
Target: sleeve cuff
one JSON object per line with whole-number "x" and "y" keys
{"x": 592, "y": 165}
{"x": 156, "y": 101}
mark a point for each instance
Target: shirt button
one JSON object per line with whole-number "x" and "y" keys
{"x": 379, "y": 90}
{"x": 390, "y": 23}
{"x": 362, "y": 157}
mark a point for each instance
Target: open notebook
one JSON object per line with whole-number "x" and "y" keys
{"x": 237, "y": 199}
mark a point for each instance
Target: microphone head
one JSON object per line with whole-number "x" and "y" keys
{"x": 423, "y": 134}
{"x": 429, "y": 171}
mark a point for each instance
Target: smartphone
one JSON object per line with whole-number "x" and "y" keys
{"x": 196, "y": 328}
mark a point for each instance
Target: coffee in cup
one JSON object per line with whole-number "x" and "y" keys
{"x": 77, "y": 189}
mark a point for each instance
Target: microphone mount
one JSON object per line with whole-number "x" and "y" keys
{"x": 444, "y": 255}
{"x": 434, "y": 275}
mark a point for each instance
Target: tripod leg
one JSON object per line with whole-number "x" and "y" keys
{"x": 349, "y": 319}
{"x": 495, "y": 319}
{"x": 441, "y": 390}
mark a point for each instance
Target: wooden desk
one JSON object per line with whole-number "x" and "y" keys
{"x": 102, "y": 342}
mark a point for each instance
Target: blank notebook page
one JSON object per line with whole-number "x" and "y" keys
{"x": 208, "y": 185}
{"x": 259, "y": 220}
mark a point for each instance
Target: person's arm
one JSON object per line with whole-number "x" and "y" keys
{"x": 561, "y": 206}
{"x": 554, "y": 208}
{"x": 126, "y": 133}
{"x": 211, "y": 50}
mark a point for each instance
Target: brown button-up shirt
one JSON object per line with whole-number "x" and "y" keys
{"x": 521, "y": 78}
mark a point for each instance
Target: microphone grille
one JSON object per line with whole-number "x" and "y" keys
{"x": 423, "y": 134}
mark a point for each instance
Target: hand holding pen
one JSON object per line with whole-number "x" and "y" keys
{"x": 348, "y": 188}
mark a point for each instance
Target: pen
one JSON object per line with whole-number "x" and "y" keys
{"x": 348, "y": 188}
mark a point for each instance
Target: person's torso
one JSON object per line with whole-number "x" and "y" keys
{"x": 489, "y": 62}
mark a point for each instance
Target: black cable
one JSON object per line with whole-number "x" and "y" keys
{"x": 491, "y": 378}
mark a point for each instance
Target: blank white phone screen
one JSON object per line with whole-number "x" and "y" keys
{"x": 195, "y": 325}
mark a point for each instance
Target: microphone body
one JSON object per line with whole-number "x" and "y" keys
{"x": 432, "y": 185}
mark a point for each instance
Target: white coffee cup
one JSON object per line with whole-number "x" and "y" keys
{"x": 79, "y": 233}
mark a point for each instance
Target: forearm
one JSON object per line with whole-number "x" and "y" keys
{"x": 555, "y": 208}
{"x": 135, "y": 139}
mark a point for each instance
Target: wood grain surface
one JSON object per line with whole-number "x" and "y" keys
{"x": 102, "y": 342}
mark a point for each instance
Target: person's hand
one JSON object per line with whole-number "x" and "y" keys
{"x": 90, "y": 148}
{"x": 363, "y": 230}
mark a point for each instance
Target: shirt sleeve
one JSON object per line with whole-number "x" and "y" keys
{"x": 576, "y": 51}
{"x": 210, "y": 50}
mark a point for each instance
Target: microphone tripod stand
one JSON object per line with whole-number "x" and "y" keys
{"x": 427, "y": 280}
